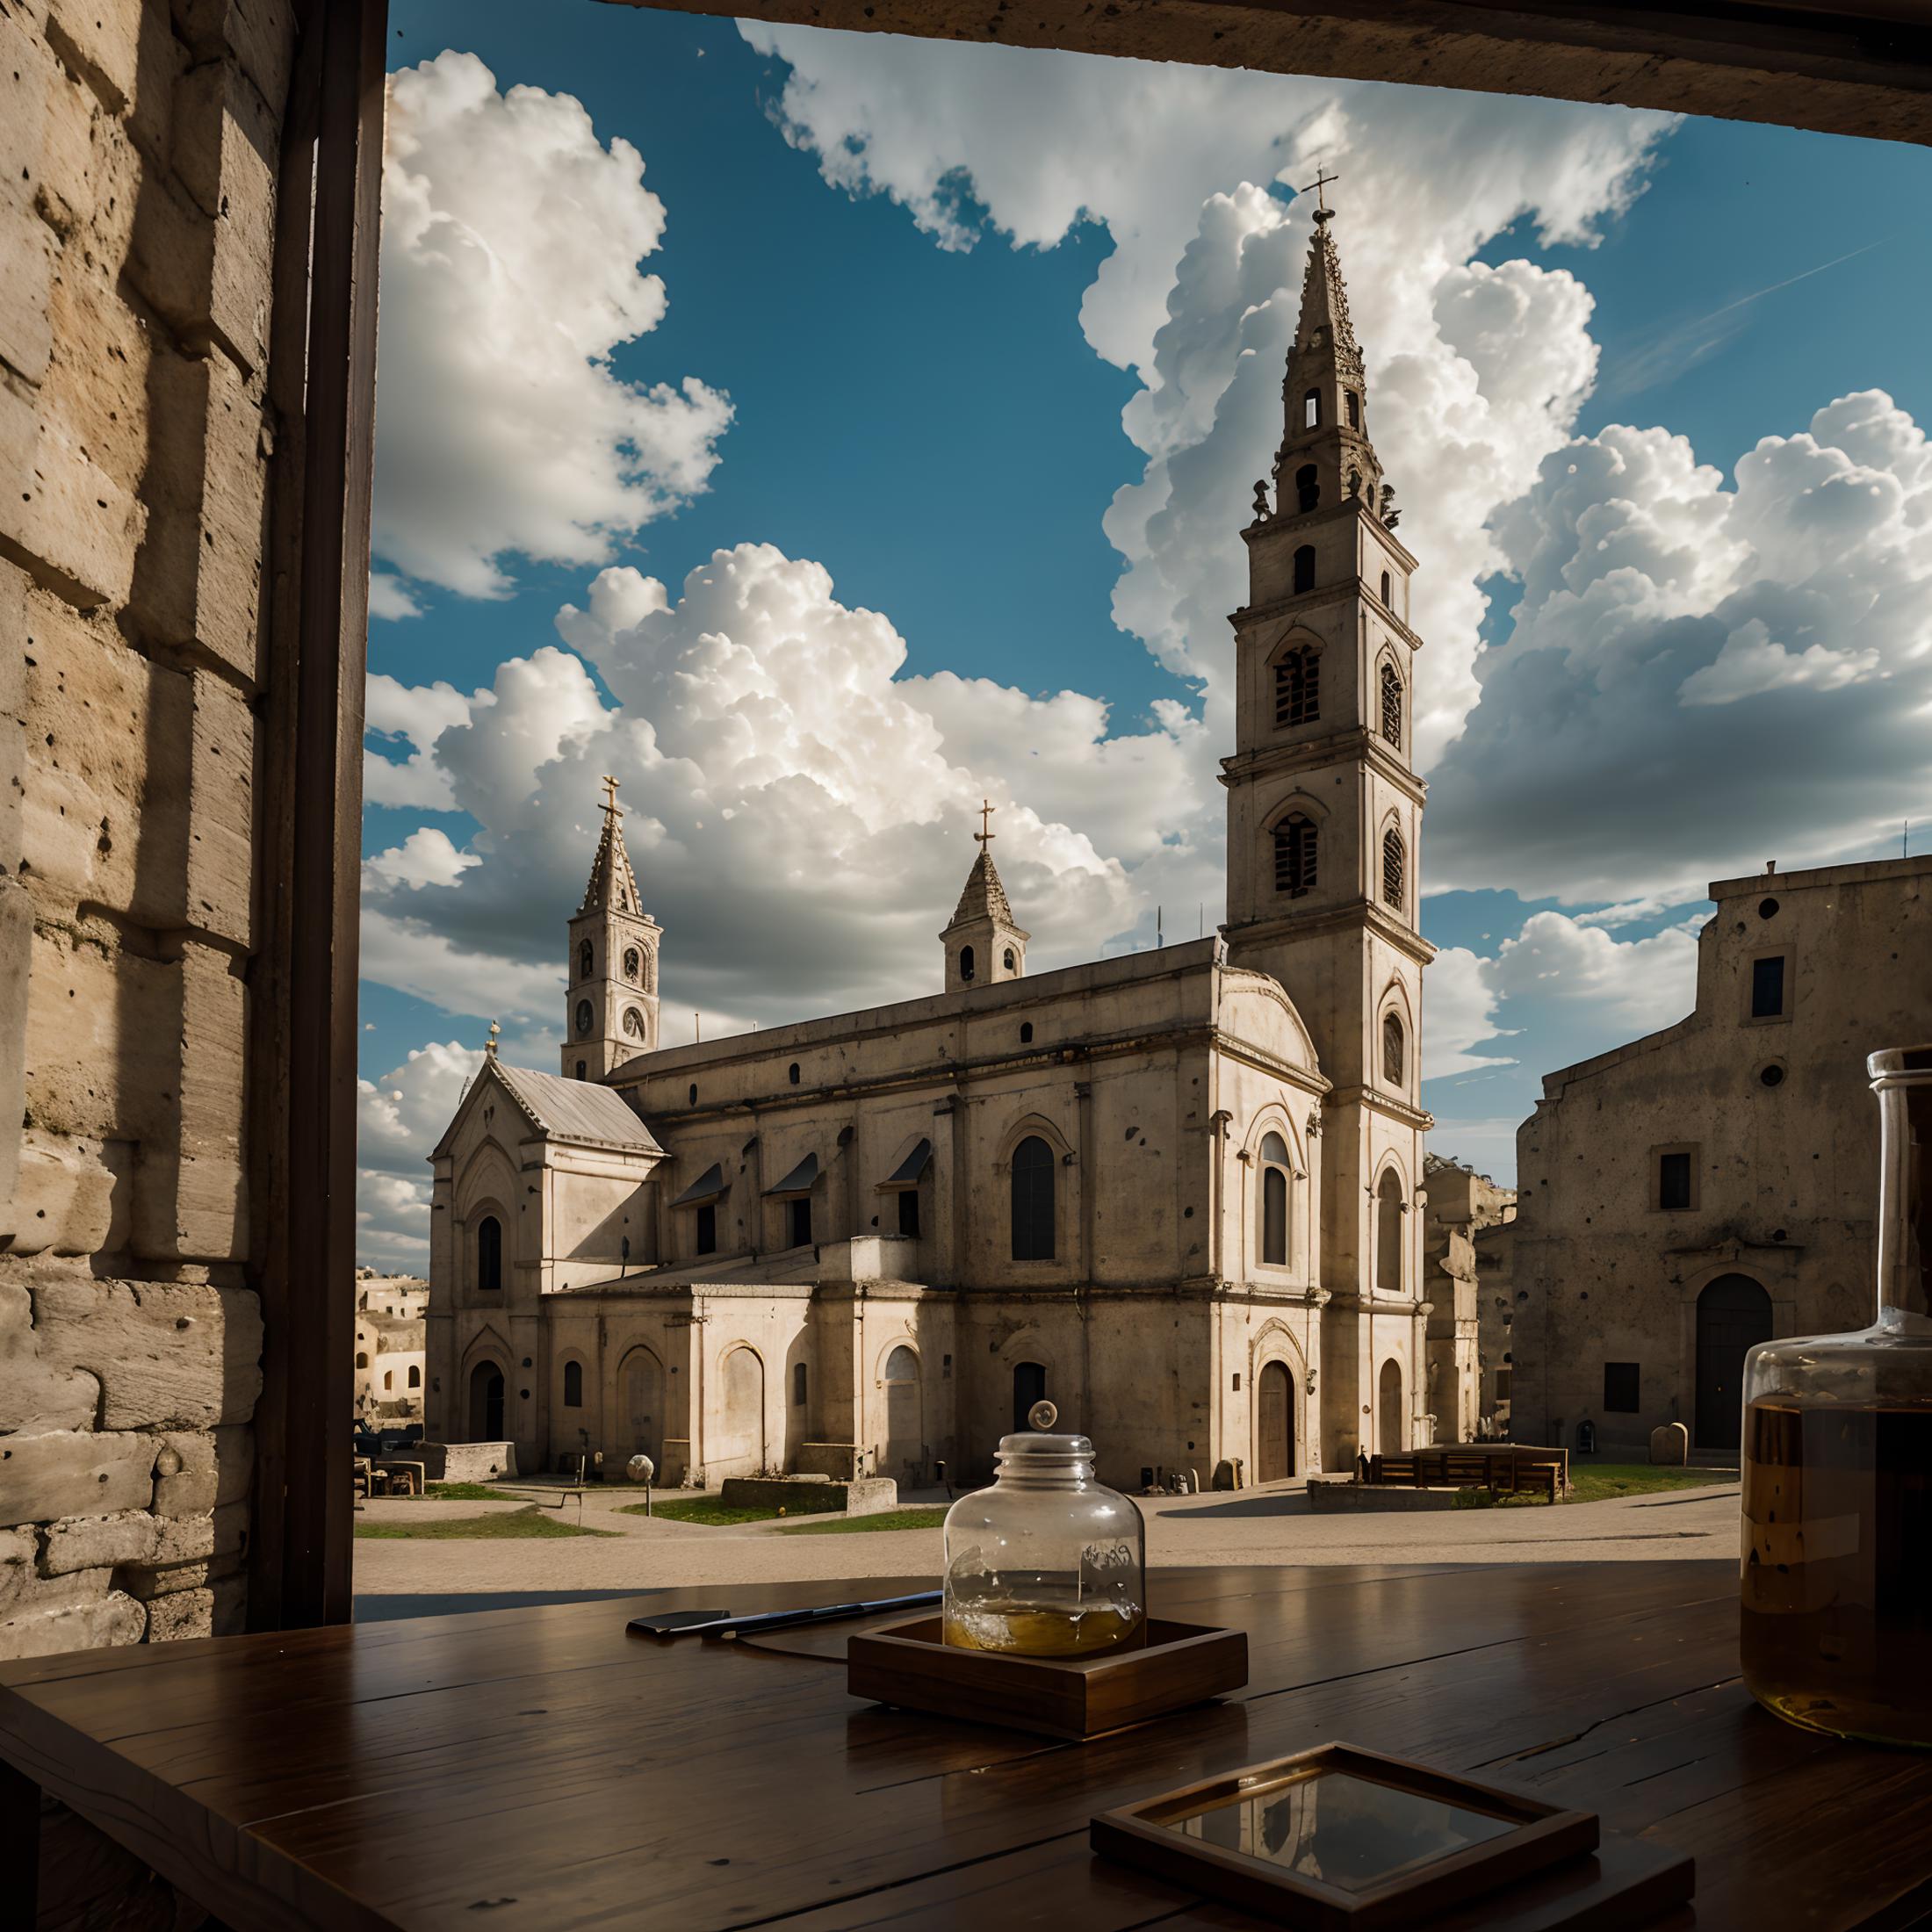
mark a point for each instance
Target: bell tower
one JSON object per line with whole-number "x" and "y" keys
{"x": 612, "y": 1009}
{"x": 982, "y": 944}
{"x": 1325, "y": 823}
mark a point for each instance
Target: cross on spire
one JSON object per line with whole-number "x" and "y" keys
{"x": 985, "y": 836}
{"x": 491, "y": 1049}
{"x": 1323, "y": 181}
{"x": 610, "y": 793}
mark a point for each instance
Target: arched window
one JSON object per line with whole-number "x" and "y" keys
{"x": 1392, "y": 705}
{"x": 1298, "y": 686}
{"x": 965, "y": 964}
{"x": 791, "y": 1073}
{"x": 1304, "y": 568}
{"x": 1274, "y": 1201}
{"x": 633, "y": 1022}
{"x": 489, "y": 1252}
{"x": 586, "y": 960}
{"x": 1033, "y": 1165}
{"x": 1307, "y": 488}
{"x": 1391, "y": 868}
{"x": 798, "y": 1385}
{"x": 388, "y": 1379}
{"x": 1388, "y": 592}
{"x": 583, "y": 1067}
{"x": 1010, "y": 961}
{"x": 1392, "y": 1048}
{"x": 584, "y": 1017}
{"x": 1354, "y": 409}
{"x": 573, "y": 1385}
{"x": 1388, "y": 1233}
{"x": 633, "y": 964}
{"x": 1296, "y": 843}
{"x": 1311, "y": 410}
{"x": 415, "y": 1377}
{"x": 1026, "y": 1033}
{"x": 362, "y": 1358}
{"x": 1354, "y": 484}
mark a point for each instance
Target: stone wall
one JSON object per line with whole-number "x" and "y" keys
{"x": 139, "y": 145}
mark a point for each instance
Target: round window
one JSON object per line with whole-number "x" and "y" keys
{"x": 584, "y": 1016}
{"x": 1767, "y": 909}
{"x": 1772, "y": 1075}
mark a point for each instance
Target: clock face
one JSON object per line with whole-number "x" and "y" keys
{"x": 584, "y": 1016}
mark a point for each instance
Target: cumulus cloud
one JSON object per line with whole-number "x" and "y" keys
{"x": 1628, "y": 986}
{"x": 510, "y": 245}
{"x": 1701, "y": 677}
{"x": 399, "y": 1119}
{"x": 426, "y": 857}
{"x": 1458, "y": 1014}
{"x": 416, "y": 715}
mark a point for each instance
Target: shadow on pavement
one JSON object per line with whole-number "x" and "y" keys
{"x": 1292, "y": 1502}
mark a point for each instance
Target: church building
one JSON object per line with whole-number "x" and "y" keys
{"x": 1177, "y": 1191}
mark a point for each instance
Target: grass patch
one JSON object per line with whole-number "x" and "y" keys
{"x": 1597, "y": 1481}
{"x": 687, "y": 1508}
{"x": 884, "y": 1519}
{"x": 473, "y": 1492}
{"x": 517, "y": 1523}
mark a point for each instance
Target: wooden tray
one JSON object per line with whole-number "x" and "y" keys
{"x": 1076, "y": 1698}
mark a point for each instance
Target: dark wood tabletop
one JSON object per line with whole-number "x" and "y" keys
{"x": 541, "y": 1768}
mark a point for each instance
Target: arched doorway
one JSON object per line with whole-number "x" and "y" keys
{"x": 640, "y": 1404}
{"x": 487, "y": 1402}
{"x": 1274, "y": 1424}
{"x": 743, "y": 1440}
{"x": 1388, "y": 1408}
{"x": 1734, "y": 1315}
{"x": 1029, "y": 1385}
{"x": 905, "y": 1454}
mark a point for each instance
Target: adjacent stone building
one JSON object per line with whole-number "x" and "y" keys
{"x": 1711, "y": 1185}
{"x": 1174, "y": 1192}
{"x": 1468, "y": 1326}
{"x": 389, "y": 1352}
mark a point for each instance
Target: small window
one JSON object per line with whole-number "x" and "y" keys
{"x": 1297, "y": 686}
{"x": 1773, "y": 1075}
{"x": 1296, "y": 850}
{"x": 798, "y": 1385}
{"x": 1311, "y": 410}
{"x": 1767, "y": 909}
{"x": 1033, "y": 1165}
{"x": 415, "y": 1378}
{"x": 792, "y": 1073}
{"x": 1354, "y": 484}
{"x": 583, "y": 1068}
{"x": 633, "y": 964}
{"x": 1393, "y": 1044}
{"x": 694, "y": 1094}
{"x": 1274, "y": 1201}
{"x": 1768, "y": 987}
{"x": 1502, "y": 1384}
{"x": 586, "y": 960}
{"x": 965, "y": 964}
{"x": 573, "y": 1385}
{"x": 584, "y": 1019}
{"x": 1307, "y": 488}
{"x": 707, "y": 1228}
{"x": 1010, "y": 960}
{"x": 1304, "y": 569}
{"x": 1674, "y": 1181}
{"x": 909, "y": 1213}
{"x": 1620, "y": 1388}
{"x": 798, "y": 1223}
{"x": 1391, "y": 868}
{"x": 1392, "y": 706}
{"x": 489, "y": 1252}
{"x": 362, "y": 1358}
{"x": 388, "y": 1379}
{"x": 1388, "y": 592}
{"x": 1354, "y": 409}
{"x": 1026, "y": 1033}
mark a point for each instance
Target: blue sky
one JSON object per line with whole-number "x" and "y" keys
{"x": 940, "y": 428}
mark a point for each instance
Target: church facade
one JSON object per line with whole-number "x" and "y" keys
{"x": 1178, "y": 1192}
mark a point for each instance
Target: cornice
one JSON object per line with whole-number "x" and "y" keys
{"x": 1356, "y": 742}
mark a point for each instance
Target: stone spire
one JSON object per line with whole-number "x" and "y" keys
{"x": 613, "y": 886}
{"x": 982, "y": 944}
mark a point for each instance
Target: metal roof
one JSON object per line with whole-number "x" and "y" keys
{"x": 798, "y": 1182}
{"x": 707, "y": 1187}
{"x": 906, "y": 1174}
{"x": 575, "y": 1110}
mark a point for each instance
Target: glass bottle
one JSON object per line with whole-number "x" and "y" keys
{"x": 1046, "y": 1563}
{"x": 1837, "y": 1561}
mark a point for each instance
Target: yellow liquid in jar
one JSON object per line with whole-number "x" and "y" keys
{"x": 1032, "y": 1630}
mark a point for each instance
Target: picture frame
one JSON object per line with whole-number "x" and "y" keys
{"x": 1342, "y": 1839}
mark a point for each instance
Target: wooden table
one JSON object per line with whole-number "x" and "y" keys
{"x": 540, "y": 1768}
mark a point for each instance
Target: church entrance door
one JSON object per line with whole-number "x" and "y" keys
{"x": 487, "y": 1403}
{"x": 1389, "y": 1407}
{"x": 1274, "y": 1435}
{"x": 1029, "y": 1385}
{"x": 1734, "y": 1315}
{"x": 741, "y": 1450}
{"x": 905, "y": 1417}
{"x": 642, "y": 1399}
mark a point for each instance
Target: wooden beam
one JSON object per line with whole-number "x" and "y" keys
{"x": 323, "y": 374}
{"x": 1864, "y": 67}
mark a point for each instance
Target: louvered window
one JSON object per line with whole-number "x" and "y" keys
{"x": 1297, "y": 686}
{"x": 1392, "y": 705}
{"x": 1304, "y": 569}
{"x": 1295, "y": 852}
{"x": 1391, "y": 868}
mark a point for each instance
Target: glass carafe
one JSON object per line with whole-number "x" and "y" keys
{"x": 1837, "y": 1561}
{"x": 1047, "y": 1562}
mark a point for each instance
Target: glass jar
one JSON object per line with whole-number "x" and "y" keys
{"x": 1047, "y": 1562}
{"x": 1837, "y": 1562}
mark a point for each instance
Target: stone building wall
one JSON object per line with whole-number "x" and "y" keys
{"x": 1464, "y": 1341}
{"x": 139, "y": 145}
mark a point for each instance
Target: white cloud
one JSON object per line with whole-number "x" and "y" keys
{"x": 426, "y": 857}
{"x": 399, "y": 1120}
{"x": 1701, "y": 677}
{"x": 511, "y": 239}
{"x": 418, "y": 714}
{"x": 389, "y": 597}
{"x": 1629, "y": 986}
{"x": 1459, "y": 1013}
{"x": 422, "y": 958}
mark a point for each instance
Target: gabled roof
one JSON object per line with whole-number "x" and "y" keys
{"x": 563, "y": 1110}
{"x": 707, "y": 1187}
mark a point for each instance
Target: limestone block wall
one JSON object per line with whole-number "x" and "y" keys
{"x": 138, "y": 144}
